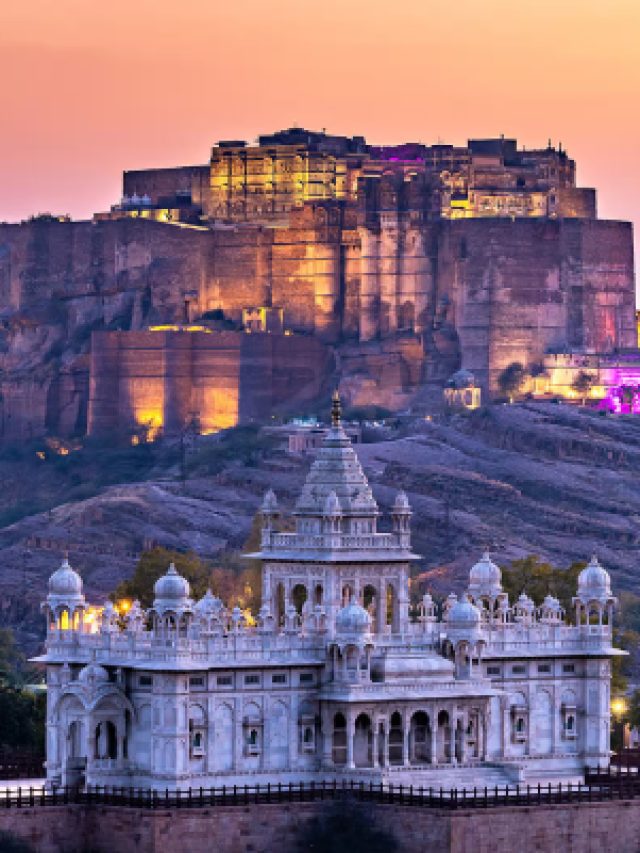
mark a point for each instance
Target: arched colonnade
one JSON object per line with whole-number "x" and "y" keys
{"x": 404, "y": 737}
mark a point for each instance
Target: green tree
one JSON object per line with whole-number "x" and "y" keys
{"x": 633, "y": 710}
{"x": 12, "y": 661}
{"x": 22, "y": 719}
{"x": 153, "y": 564}
{"x": 511, "y": 379}
{"x": 232, "y": 577}
{"x": 538, "y": 579}
{"x": 583, "y": 383}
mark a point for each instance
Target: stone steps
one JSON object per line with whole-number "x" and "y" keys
{"x": 452, "y": 777}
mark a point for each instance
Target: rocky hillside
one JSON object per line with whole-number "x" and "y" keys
{"x": 531, "y": 478}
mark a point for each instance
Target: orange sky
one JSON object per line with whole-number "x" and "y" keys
{"x": 89, "y": 88}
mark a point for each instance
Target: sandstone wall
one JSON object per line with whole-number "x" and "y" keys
{"x": 521, "y": 288}
{"x": 164, "y": 184}
{"x": 167, "y": 379}
{"x": 45, "y": 260}
{"x": 612, "y": 827}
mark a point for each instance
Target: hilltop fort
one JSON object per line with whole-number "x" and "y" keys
{"x": 220, "y": 293}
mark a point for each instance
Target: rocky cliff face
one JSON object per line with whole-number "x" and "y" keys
{"x": 545, "y": 479}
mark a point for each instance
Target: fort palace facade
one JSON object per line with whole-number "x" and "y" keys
{"x": 339, "y": 678}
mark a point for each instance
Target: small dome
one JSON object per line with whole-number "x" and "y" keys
{"x": 65, "y": 581}
{"x": 353, "y": 619}
{"x": 461, "y": 379}
{"x": 93, "y": 674}
{"x": 594, "y": 581}
{"x": 463, "y": 613}
{"x": 172, "y": 586}
{"x": 485, "y": 578}
{"x": 401, "y": 503}
{"x": 269, "y": 503}
{"x": 209, "y": 605}
{"x": 551, "y": 603}
{"x": 525, "y": 603}
{"x": 332, "y": 505}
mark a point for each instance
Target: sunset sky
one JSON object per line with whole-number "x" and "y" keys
{"x": 91, "y": 88}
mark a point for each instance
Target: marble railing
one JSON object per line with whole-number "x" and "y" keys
{"x": 252, "y": 645}
{"x": 147, "y": 647}
{"x": 427, "y": 687}
{"x": 540, "y": 638}
{"x": 332, "y": 541}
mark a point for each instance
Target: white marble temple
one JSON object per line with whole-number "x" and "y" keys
{"x": 349, "y": 683}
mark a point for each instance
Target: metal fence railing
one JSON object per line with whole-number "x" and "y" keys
{"x": 599, "y": 786}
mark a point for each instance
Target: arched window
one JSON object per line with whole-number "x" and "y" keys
{"x": 339, "y": 750}
{"x": 299, "y": 596}
{"x": 396, "y": 737}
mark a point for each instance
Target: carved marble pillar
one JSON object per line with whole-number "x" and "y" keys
{"x": 350, "y": 737}
{"x": 555, "y": 726}
{"x": 406, "y": 733}
{"x": 374, "y": 742}
{"x": 505, "y": 728}
{"x": 120, "y": 738}
{"x": 481, "y": 735}
{"x": 381, "y": 609}
{"x": 463, "y": 738}
{"x": 434, "y": 736}
{"x": 327, "y": 741}
{"x": 294, "y": 734}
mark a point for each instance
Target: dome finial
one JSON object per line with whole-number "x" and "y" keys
{"x": 336, "y": 409}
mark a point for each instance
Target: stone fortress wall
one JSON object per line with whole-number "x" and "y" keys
{"x": 609, "y": 827}
{"x": 411, "y": 260}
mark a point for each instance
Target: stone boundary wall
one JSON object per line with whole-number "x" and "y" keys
{"x": 612, "y": 827}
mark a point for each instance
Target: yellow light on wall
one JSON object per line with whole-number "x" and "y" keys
{"x": 92, "y": 619}
{"x": 618, "y": 706}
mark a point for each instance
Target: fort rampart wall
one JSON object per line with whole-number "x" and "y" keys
{"x": 166, "y": 379}
{"x": 477, "y": 293}
{"x": 611, "y": 827}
